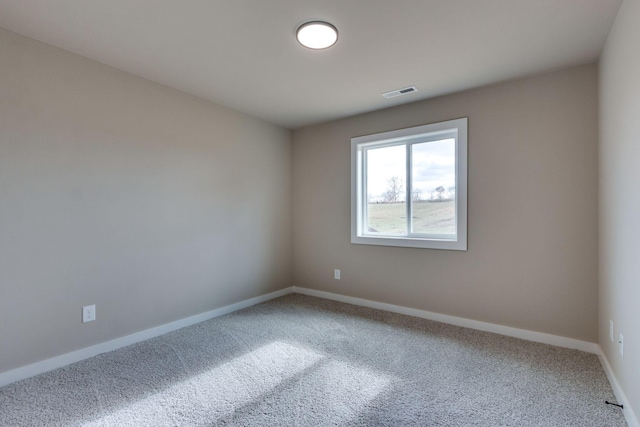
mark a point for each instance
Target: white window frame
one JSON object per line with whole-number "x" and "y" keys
{"x": 456, "y": 129}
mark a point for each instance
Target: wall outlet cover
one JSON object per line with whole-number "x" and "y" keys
{"x": 621, "y": 345}
{"x": 88, "y": 313}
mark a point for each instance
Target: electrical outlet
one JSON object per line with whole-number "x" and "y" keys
{"x": 621, "y": 345}
{"x": 611, "y": 330}
{"x": 336, "y": 274}
{"x": 88, "y": 313}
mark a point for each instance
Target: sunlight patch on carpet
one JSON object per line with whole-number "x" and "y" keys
{"x": 347, "y": 390}
{"x": 220, "y": 391}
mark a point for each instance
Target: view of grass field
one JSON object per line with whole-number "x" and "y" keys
{"x": 429, "y": 217}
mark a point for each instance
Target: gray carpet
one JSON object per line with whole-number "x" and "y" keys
{"x": 305, "y": 361}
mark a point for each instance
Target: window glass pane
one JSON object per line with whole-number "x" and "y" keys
{"x": 386, "y": 190}
{"x": 434, "y": 187}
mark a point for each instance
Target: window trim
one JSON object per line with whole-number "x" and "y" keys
{"x": 408, "y": 137}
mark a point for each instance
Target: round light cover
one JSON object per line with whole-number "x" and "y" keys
{"x": 317, "y": 35}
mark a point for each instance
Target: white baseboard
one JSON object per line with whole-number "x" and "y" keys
{"x": 85, "y": 353}
{"x": 629, "y": 415}
{"x": 589, "y": 347}
{"x": 540, "y": 337}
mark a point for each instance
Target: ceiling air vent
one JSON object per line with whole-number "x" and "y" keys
{"x": 399, "y": 92}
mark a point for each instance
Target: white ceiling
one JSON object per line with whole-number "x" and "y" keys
{"x": 243, "y": 53}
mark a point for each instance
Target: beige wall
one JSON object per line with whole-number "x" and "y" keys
{"x": 532, "y": 254}
{"x": 620, "y": 198}
{"x": 115, "y": 191}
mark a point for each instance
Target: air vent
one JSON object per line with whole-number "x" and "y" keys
{"x": 399, "y": 92}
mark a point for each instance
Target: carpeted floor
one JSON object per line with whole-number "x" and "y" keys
{"x": 303, "y": 361}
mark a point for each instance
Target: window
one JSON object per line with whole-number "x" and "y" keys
{"x": 409, "y": 187}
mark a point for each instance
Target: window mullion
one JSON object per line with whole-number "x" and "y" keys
{"x": 408, "y": 187}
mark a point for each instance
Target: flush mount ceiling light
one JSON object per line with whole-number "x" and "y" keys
{"x": 317, "y": 35}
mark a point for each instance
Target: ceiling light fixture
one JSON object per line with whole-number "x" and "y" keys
{"x": 317, "y": 35}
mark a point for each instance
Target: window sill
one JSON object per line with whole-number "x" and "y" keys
{"x": 411, "y": 242}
